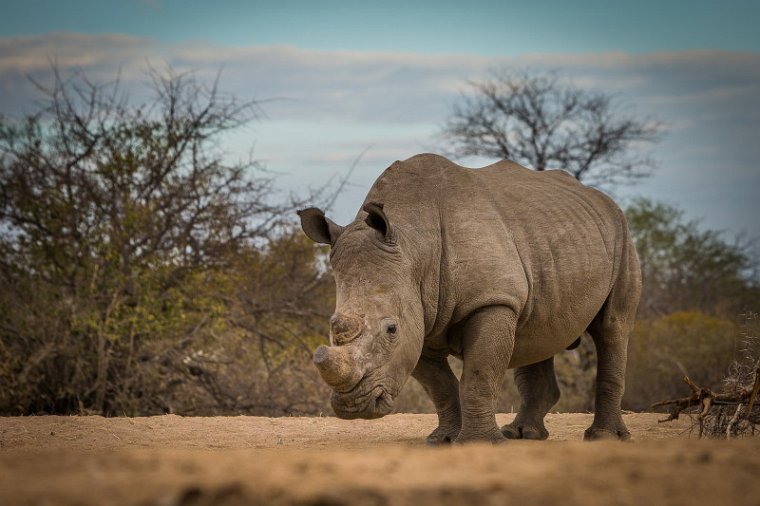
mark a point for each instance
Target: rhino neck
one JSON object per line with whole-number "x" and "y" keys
{"x": 431, "y": 288}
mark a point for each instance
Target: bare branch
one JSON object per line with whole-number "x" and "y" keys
{"x": 543, "y": 122}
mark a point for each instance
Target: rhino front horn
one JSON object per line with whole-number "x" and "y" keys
{"x": 336, "y": 368}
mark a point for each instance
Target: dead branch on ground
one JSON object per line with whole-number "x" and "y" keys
{"x": 733, "y": 413}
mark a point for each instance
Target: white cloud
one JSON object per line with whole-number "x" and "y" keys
{"x": 69, "y": 50}
{"x": 330, "y": 105}
{"x": 371, "y": 86}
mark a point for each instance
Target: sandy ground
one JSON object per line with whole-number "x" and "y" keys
{"x": 171, "y": 460}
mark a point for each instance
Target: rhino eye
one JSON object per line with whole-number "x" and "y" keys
{"x": 389, "y": 327}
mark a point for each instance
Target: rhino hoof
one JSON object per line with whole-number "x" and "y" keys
{"x": 494, "y": 437}
{"x": 525, "y": 432}
{"x": 438, "y": 440}
{"x": 441, "y": 437}
{"x": 595, "y": 434}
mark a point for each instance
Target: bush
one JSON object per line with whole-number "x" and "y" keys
{"x": 662, "y": 350}
{"x": 141, "y": 272}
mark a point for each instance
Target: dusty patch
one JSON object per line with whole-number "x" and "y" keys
{"x": 171, "y": 460}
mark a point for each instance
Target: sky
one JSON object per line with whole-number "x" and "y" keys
{"x": 338, "y": 80}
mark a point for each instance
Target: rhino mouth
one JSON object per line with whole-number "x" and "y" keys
{"x": 363, "y": 402}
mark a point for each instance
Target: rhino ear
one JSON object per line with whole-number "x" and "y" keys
{"x": 377, "y": 219}
{"x": 318, "y": 227}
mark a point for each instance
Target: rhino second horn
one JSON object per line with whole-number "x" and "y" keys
{"x": 345, "y": 328}
{"x": 336, "y": 368}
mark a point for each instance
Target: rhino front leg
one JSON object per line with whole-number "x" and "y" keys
{"x": 489, "y": 337}
{"x": 538, "y": 393}
{"x": 440, "y": 383}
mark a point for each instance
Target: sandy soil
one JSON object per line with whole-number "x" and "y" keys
{"x": 170, "y": 460}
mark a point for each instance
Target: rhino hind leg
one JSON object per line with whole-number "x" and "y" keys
{"x": 609, "y": 331}
{"x": 608, "y": 419}
{"x": 610, "y": 377}
{"x": 539, "y": 392}
{"x": 442, "y": 386}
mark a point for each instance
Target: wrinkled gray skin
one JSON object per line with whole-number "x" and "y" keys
{"x": 503, "y": 267}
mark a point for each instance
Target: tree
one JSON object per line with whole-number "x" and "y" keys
{"x": 685, "y": 268}
{"x": 124, "y": 233}
{"x": 544, "y": 122}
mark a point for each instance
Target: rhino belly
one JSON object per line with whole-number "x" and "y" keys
{"x": 533, "y": 348}
{"x": 552, "y": 329}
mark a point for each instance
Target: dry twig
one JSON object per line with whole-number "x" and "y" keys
{"x": 713, "y": 409}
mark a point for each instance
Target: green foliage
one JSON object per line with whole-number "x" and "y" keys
{"x": 696, "y": 287}
{"x": 142, "y": 273}
{"x": 685, "y": 268}
{"x": 663, "y": 349}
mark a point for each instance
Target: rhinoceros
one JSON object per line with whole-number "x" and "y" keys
{"x": 501, "y": 266}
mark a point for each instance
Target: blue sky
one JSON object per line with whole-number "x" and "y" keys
{"x": 489, "y": 27}
{"x": 381, "y": 76}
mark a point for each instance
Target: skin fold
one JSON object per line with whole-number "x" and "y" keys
{"x": 501, "y": 266}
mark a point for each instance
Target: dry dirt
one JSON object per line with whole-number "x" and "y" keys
{"x": 171, "y": 460}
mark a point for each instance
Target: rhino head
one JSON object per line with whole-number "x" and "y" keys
{"x": 376, "y": 331}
